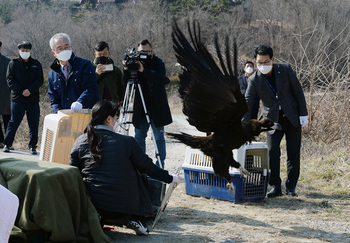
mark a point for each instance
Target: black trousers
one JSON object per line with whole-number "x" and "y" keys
{"x": 5, "y": 120}
{"x": 293, "y": 139}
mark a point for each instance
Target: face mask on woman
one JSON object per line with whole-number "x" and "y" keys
{"x": 115, "y": 127}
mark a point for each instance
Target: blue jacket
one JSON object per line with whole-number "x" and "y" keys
{"x": 80, "y": 86}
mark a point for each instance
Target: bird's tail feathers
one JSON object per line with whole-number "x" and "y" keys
{"x": 189, "y": 140}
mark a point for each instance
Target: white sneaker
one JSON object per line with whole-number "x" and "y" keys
{"x": 138, "y": 227}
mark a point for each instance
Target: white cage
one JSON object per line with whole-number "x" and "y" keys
{"x": 201, "y": 181}
{"x": 60, "y": 132}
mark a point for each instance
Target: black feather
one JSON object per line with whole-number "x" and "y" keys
{"x": 212, "y": 100}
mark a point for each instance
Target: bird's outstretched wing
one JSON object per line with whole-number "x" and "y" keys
{"x": 212, "y": 100}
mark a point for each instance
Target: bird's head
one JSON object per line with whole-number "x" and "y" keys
{"x": 263, "y": 125}
{"x": 268, "y": 125}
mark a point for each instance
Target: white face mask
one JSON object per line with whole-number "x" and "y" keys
{"x": 249, "y": 70}
{"x": 24, "y": 55}
{"x": 265, "y": 69}
{"x": 115, "y": 127}
{"x": 64, "y": 55}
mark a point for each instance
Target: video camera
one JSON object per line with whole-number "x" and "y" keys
{"x": 131, "y": 58}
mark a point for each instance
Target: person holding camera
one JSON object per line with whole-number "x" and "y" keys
{"x": 72, "y": 80}
{"x": 151, "y": 76}
{"x": 111, "y": 164}
{"x": 109, "y": 77}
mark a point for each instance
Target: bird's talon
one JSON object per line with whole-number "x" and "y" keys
{"x": 245, "y": 172}
{"x": 231, "y": 188}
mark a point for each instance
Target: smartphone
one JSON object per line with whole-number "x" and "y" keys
{"x": 108, "y": 67}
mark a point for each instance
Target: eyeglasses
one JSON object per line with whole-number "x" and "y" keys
{"x": 61, "y": 48}
{"x": 263, "y": 63}
{"x": 148, "y": 52}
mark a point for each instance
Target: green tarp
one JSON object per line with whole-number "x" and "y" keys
{"x": 52, "y": 199}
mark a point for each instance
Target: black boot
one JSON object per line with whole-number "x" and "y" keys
{"x": 274, "y": 192}
{"x": 291, "y": 192}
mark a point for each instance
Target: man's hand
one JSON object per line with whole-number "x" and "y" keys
{"x": 26, "y": 93}
{"x": 100, "y": 69}
{"x": 140, "y": 67}
{"x": 303, "y": 120}
{"x": 76, "y": 107}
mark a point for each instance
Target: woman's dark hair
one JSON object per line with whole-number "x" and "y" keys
{"x": 99, "y": 113}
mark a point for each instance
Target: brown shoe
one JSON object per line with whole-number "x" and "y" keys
{"x": 1, "y": 145}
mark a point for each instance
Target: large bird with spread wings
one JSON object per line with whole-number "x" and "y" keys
{"x": 212, "y": 101}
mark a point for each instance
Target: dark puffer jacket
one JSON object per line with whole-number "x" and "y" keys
{"x": 115, "y": 185}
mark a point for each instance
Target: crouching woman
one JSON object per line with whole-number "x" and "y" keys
{"x": 111, "y": 164}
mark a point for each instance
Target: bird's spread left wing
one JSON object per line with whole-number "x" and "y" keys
{"x": 212, "y": 100}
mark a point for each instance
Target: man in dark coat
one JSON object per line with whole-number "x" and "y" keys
{"x": 151, "y": 76}
{"x": 5, "y": 99}
{"x": 24, "y": 78}
{"x": 72, "y": 80}
{"x": 243, "y": 84}
{"x": 283, "y": 101}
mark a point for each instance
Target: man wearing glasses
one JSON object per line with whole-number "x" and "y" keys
{"x": 151, "y": 75}
{"x": 277, "y": 86}
{"x": 72, "y": 80}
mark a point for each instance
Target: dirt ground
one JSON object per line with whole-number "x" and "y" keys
{"x": 306, "y": 218}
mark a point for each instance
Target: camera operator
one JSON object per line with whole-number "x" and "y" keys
{"x": 109, "y": 77}
{"x": 151, "y": 76}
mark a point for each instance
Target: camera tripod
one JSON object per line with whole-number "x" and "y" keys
{"x": 125, "y": 118}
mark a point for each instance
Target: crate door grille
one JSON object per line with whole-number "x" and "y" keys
{"x": 48, "y": 145}
{"x": 256, "y": 163}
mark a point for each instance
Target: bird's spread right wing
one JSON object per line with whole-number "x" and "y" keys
{"x": 212, "y": 100}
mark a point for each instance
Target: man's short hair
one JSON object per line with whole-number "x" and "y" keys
{"x": 144, "y": 42}
{"x": 0, "y": 44}
{"x": 62, "y": 36}
{"x": 24, "y": 45}
{"x": 101, "y": 46}
{"x": 263, "y": 50}
{"x": 250, "y": 62}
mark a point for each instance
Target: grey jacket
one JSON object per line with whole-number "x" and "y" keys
{"x": 5, "y": 98}
{"x": 290, "y": 96}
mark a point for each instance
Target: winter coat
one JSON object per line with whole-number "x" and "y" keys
{"x": 153, "y": 81}
{"x": 81, "y": 84}
{"x": 5, "y": 98}
{"x": 23, "y": 75}
{"x": 115, "y": 184}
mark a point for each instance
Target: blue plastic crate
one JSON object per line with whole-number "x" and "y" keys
{"x": 206, "y": 184}
{"x": 201, "y": 181}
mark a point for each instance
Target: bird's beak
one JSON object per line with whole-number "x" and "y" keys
{"x": 276, "y": 126}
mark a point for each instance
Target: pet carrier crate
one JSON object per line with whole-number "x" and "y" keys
{"x": 201, "y": 181}
{"x": 60, "y": 132}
